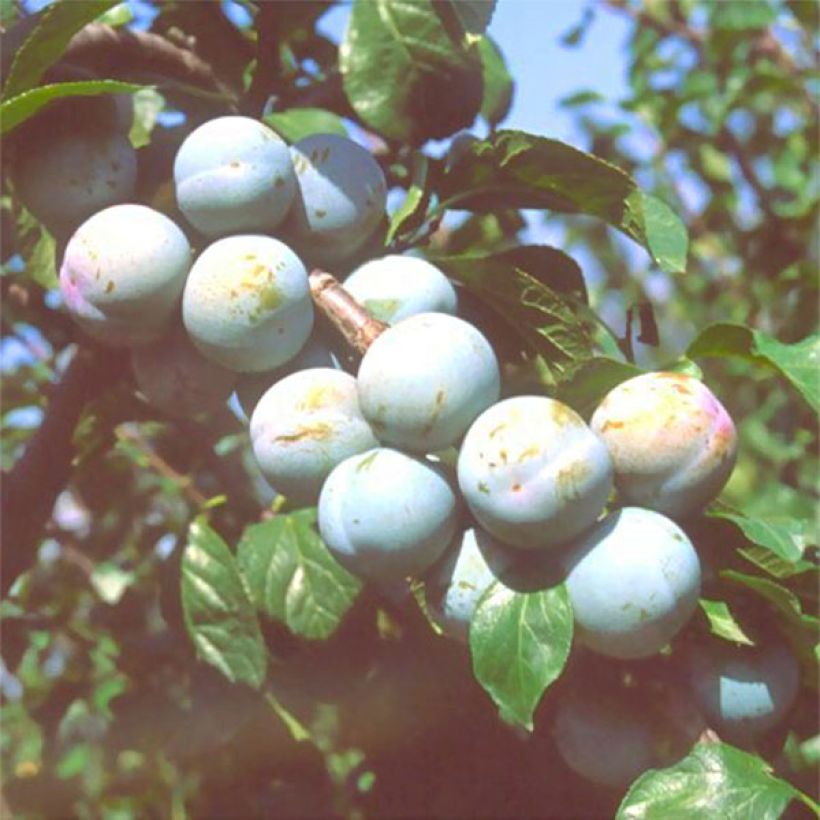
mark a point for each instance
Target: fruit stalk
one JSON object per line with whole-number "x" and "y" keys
{"x": 351, "y": 319}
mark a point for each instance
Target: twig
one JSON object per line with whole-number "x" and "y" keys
{"x": 353, "y": 321}
{"x": 160, "y": 465}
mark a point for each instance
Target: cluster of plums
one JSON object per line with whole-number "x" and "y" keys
{"x": 417, "y": 465}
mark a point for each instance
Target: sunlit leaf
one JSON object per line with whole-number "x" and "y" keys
{"x": 520, "y": 642}
{"x": 219, "y": 614}
{"x": 292, "y": 576}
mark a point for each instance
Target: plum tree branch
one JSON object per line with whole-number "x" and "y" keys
{"x": 351, "y": 319}
{"x": 31, "y": 487}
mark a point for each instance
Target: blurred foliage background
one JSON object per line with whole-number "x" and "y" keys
{"x": 106, "y": 712}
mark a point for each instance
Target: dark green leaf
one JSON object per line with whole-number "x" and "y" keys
{"x": 590, "y": 382}
{"x": 514, "y": 169}
{"x": 46, "y": 43}
{"x": 534, "y": 288}
{"x": 799, "y": 362}
{"x": 219, "y": 614}
{"x": 295, "y": 123}
{"x": 403, "y": 72}
{"x": 722, "y": 623}
{"x": 410, "y": 214}
{"x": 713, "y": 780}
{"x": 18, "y": 109}
{"x": 785, "y": 537}
{"x": 519, "y": 643}
{"x": 498, "y": 84}
{"x": 292, "y": 576}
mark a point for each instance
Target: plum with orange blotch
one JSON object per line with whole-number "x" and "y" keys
{"x": 386, "y": 515}
{"x": 250, "y": 387}
{"x": 176, "y": 378}
{"x": 247, "y": 303}
{"x": 424, "y": 380}
{"x": 533, "y": 473}
{"x": 123, "y": 272}
{"x": 673, "y": 444}
{"x": 340, "y": 198}
{"x": 234, "y": 175}
{"x": 634, "y": 582}
{"x": 303, "y": 426}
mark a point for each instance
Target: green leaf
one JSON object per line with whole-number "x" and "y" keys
{"x": 519, "y": 643}
{"x": 111, "y": 581}
{"x": 590, "y": 382}
{"x": 44, "y": 46}
{"x": 119, "y": 15}
{"x": 295, "y": 123}
{"x": 713, "y": 780}
{"x": 513, "y": 169}
{"x": 474, "y": 15}
{"x": 40, "y": 263}
{"x": 786, "y": 537}
{"x": 404, "y": 73}
{"x": 716, "y": 164}
{"x": 783, "y": 599}
{"x": 293, "y": 578}
{"x": 498, "y": 84}
{"x": 535, "y": 289}
{"x": 410, "y": 214}
{"x": 776, "y": 567}
{"x": 148, "y": 102}
{"x": 741, "y": 15}
{"x": 801, "y": 626}
{"x": 18, "y": 109}
{"x": 219, "y": 614}
{"x": 653, "y": 222}
{"x": 722, "y": 623}
{"x": 799, "y": 362}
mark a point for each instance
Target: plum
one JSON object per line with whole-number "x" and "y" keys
{"x": 304, "y": 426}
{"x": 250, "y": 387}
{"x": 174, "y": 376}
{"x": 743, "y": 691}
{"x": 533, "y": 473}
{"x": 634, "y": 581}
{"x": 424, "y": 380}
{"x": 123, "y": 272}
{"x": 604, "y": 737}
{"x": 234, "y": 175}
{"x": 395, "y": 287}
{"x": 66, "y": 176}
{"x": 247, "y": 303}
{"x": 673, "y": 445}
{"x": 474, "y": 562}
{"x": 386, "y": 515}
{"x": 340, "y": 198}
